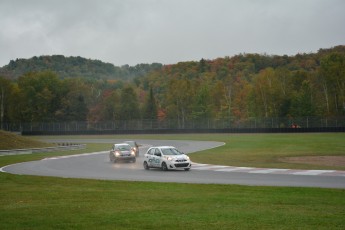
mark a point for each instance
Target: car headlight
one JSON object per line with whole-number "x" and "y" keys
{"x": 170, "y": 158}
{"x": 132, "y": 153}
{"x": 117, "y": 153}
{"x": 187, "y": 158}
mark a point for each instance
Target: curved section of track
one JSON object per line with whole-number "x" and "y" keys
{"x": 97, "y": 166}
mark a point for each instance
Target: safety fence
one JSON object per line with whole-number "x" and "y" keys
{"x": 332, "y": 124}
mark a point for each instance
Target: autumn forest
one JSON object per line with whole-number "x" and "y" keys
{"x": 57, "y": 88}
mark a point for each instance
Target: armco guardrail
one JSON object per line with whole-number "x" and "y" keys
{"x": 40, "y": 150}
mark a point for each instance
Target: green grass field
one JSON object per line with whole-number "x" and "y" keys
{"x": 267, "y": 150}
{"x": 32, "y": 202}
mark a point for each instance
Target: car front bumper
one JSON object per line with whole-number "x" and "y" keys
{"x": 124, "y": 158}
{"x": 179, "y": 165}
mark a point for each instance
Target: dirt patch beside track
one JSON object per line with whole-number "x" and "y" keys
{"x": 317, "y": 160}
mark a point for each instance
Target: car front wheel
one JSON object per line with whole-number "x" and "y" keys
{"x": 164, "y": 166}
{"x": 146, "y": 166}
{"x": 112, "y": 158}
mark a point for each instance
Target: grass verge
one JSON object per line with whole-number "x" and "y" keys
{"x": 12, "y": 141}
{"x": 29, "y": 202}
{"x": 268, "y": 150}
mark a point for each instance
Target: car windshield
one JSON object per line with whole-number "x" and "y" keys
{"x": 171, "y": 151}
{"x": 123, "y": 147}
{"x": 131, "y": 143}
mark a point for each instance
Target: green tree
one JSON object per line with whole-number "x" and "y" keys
{"x": 179, "y": 98}
{"x": 218, "y": 100}
{"x": 150, "y": 107}
{"x": 268, "y": 93}
{"x": 40, "y": 96}
{"x": 202, "y": 109}
{"x": 77, "y": 98}
{"x": 240, "y": 105}
{"x": 129, "y": 105}
{"x": 80, "y": 109}
{"x": 203, "y": 66}
{"x": 285, "y": 81}
{"x": 332, "y": 72}
{"x": 6, "y": 89}
{"x": 110, "y": 108}
{"x": 302, "y": 102}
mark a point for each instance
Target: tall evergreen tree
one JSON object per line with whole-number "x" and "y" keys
{"x": 129, "y": 105}
{"x": 5, "y": 97}
{"x": 150, "y": 109}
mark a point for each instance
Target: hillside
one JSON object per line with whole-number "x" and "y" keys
{"x": 66, "y": 67}
{"x": 234, "y": 89}
{"x": 12, "y": 141}
{"x": 71, "y": 67}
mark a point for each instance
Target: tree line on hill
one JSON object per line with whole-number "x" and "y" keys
{"x": 70, "y": 67}
{"x": 238, "y": 87}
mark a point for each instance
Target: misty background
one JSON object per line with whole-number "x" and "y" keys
{"x": 164, "y": 31}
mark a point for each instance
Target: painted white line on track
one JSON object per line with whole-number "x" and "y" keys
{"x": 212, "y": 167}
{"x": 335, "y": 173}
{"x": 198, "y": 165}
{"x": 2, "y": 169}
{"x": 313, "y": 172}
{"x": 229, "y": 169}
{"x": 74, "y": 155}
{"x": 235, "y": 169}
{"x": 264, "y": 171}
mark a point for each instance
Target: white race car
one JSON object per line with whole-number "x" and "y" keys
{"x": 166, "y": 157}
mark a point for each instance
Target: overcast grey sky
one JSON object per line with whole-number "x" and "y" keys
{"x": 167, "y": 31}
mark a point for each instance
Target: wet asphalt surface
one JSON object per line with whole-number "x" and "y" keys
{"x": 98, "y": 166}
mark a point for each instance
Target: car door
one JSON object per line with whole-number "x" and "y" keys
{"x": 157, "y": 158}
{"x": 150, "y": 157}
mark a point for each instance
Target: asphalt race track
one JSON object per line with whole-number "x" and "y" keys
{"x": 97, "y": 166}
